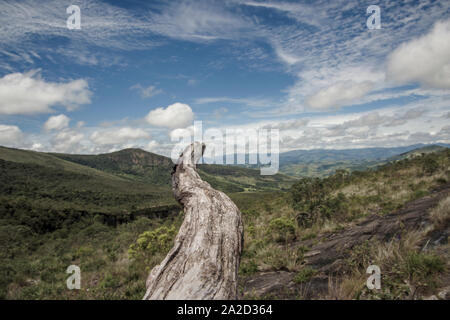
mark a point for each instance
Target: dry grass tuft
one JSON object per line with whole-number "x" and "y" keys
{"x": 440, "y": 216}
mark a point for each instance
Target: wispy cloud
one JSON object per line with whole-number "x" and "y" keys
{"x": 146, "y": 92}
{"x": 300, "y": 12}
{"x": 198, "y": 21}
{"x": 250, "y": 102}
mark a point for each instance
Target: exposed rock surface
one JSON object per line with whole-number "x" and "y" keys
{"x": 204, "y": 260}
{"x": 327, "y": 255}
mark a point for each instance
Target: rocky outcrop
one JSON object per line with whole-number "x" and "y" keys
{"x": 328, "y": 253}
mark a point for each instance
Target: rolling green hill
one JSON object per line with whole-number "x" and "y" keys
{"x": 48, "y": 181}
{"x": 418, "y": 152}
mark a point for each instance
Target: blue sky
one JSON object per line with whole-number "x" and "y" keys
{"x": 139, "y": 71}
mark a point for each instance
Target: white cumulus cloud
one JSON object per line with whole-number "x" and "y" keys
{"x": 57, "y": 122}
{"x": 113, "y": 136}
{"x": 338, "y": 94}
{"x": 425, "y": 60}
{"x": 67, "y": 141}
{"x": 10, "y": 135}
{"x": 28, "y": 93}
{"x": 177, "y": 115}
{"x": 152, "y": 145}
{"x": 181, "y": 133}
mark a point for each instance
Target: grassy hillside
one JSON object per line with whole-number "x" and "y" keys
{"x": 48, "y": 181}
{"x": 45, "y": 228}
{"x": 53, "y": 211}
{"x": 316, "y": 207}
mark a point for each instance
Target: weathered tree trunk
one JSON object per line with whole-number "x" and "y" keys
{"x": 204, "y": 261}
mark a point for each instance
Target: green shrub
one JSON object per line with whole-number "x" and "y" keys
{"x": 149, "y": 243}
{"x": 419, "y": 266}
{"x": 361, "y": 255}
{"x": 248, "y": 267}
{"x": 308, "y": 193}
{"x": 304, "y": 275}
{"x": 282, "y": 230}
{"x": 430, "y": 166}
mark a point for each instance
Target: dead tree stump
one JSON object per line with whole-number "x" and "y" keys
{"x": 204, "y": 261}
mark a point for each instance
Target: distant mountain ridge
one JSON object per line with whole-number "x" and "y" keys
{"x": 366, "y": 154}
{"x": 324, "y": 162}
